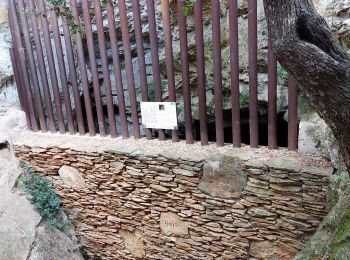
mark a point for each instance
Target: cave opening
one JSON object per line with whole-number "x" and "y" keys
{"x": 282, "y": 128}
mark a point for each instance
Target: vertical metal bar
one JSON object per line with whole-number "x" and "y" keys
{"x": 17, "y": 43}
{"x": 198, "y": 25}
{"x": 272, "y": 99}
{"x": 253, "y": 76}
{"x": 129, "y": 68}
{"x": 155, "y": 56}
{"x": 73, "y": 77}
{"x": 27, "y": 41}
{"x": 219, "y": 119}
{"x": 83, "y": 72}
{"x": 117, "y": 70}
{"x": 292, "y": 114}
{"x": 105, "y": 68}
{"x": 141, "y": 57}
{"x": 93, "y": 65}
{"x": 234, "y": 65}
{"x": 185, "y": 73}
{"x": 41, "y": 64}
{"x": 169, "y": 58}
{"x": 52, "y": 68}
{"x": 63, "y": 74}
{"x": 19, "y": 83}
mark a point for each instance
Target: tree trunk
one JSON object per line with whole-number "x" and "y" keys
{"x": 305, "y": 46}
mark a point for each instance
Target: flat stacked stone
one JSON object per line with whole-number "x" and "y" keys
{"x": 130, "y": 205}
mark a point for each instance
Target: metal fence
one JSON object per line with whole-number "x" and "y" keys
{"x": 45, "y": 94}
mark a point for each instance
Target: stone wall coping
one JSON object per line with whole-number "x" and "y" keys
{"x": 259, "y": 158}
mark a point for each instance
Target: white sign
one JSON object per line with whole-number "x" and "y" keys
{"x": 159, "y": 115}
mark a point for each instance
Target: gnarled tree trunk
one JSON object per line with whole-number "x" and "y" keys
{"x": 305, "y": 46}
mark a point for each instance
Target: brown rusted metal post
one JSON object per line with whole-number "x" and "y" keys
{"x": 62, "y": 71}
{"x": 219, "y": 119}
{"x": 73, "y": 78}
{"x": 83, "y": 72}
{"x": 52, "y": 67}
{"x": 41, "y": 65}
{"x": 141, "y": 57}
{"x": 155, "y": 56}
{"x": 292, "y": 114}
{"x": 129, "y": 68}
{"x": 234, "y": 65}
{"x": 17, "y": 44}
{"x": 117, "y": 70}
{"x": 253, "y": 76}
{"x": 105, "y": 68}
{"x": 272, "y": 99}
{"x": 93, "y": 65}
{"x": 169, "y": 58}
{"x": 198, "y": 25}
{"x": 31, "y": 64}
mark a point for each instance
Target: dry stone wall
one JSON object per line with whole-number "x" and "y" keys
{"x": 126, "y": 204}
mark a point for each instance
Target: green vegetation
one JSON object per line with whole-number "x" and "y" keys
{"x": 43, "y": 197}
{"x": 282, "y": 76}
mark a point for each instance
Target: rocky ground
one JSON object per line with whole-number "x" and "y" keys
{"x": 23, "y": 233}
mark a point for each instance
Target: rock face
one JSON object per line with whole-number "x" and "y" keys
{"x": 8, "y": 91}
{"x": 141, "y": 206}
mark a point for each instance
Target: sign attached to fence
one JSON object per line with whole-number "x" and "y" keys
{"x": 159, "y": 115}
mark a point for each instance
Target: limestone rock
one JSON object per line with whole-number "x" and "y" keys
{"x": 18, "y": 219}
{"x": 170, "y": 223}
{"x": 54, "y": 244}
{"x": 134, "y": 243}
{"x": 223, "y": 177}
{"x": 72, "y": 177}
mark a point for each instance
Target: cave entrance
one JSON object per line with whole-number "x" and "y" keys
{"x": 282, "y": 129}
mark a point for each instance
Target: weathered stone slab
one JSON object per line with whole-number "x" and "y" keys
{"x": 133, "y": 241}
{"x": 223, "y": 177}
{"x": 72, "y": 177}
{"x": 170, "y": 223}
{"x": 286, "y": 163}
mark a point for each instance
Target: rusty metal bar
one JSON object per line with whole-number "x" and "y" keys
{"x": 105, "y": 68}
{"x": 93, "y": 66}
{"x": 51, "y": 63}
{"x": 117, "y": 70}
{"x": 62, "y": 70}
{"x": 272, "y": 99}
{"x": 42, "y": 67}
{"x": 198, "y": 25}
{"x": 73, "y": 78}
{"x": 169, "y": 58}
{"x": 253, "y": 76}
{"x": 34, "y": 77}
{"x": 219, "y": 119}
{"x": 17, "y": 43}
{"x": 129, "y": 68}
{"x": 292, "y": 114}
{"x": 83, "y": 72}
{"x": 185, "y": 72}
{"x": 141, "y": 57}
{"x": 234, "y": 66}
{"x": 155, "y": 56}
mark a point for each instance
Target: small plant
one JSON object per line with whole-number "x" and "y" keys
{"x": 188, "y": 5}
{"x": 244, "y": 97}
{"x": 282, "y": 75}
{"x": 43, "y": 197}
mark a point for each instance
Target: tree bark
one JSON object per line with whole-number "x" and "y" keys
{"x": 306, "y": 47}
